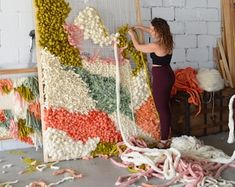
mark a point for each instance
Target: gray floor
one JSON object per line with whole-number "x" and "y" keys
{"x": 97, "y": 172}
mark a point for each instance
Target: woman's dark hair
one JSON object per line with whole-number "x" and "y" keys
{"x": 161, "y": 26}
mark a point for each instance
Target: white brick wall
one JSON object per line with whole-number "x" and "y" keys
{"x": 195, "y": 25}
{"x": 196, "y": 28}
{"x": 195, "y": 54}
{"x": 177, "y": 27}
{"x": 15, "y": 24}
{"x": 214, "y": 3}
{"x": 174, "y": 3}
{"x": 195, "y": 4}
{"x": 167, "y": 13}
{"x": 185, "y": 41}
{"x": 151, "y": 3}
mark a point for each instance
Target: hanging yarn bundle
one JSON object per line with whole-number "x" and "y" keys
{"x": 5, "y": 86}
{"x": 5, "y": 117}
{"x": 25, "y": 93}
{"x": 32, "y": 83}
{"x": 2, "y": 116}
{"x": 231, "y": 137}
{"x": 33, "y": 122}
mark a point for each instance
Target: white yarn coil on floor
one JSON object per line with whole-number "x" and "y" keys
{"x": 150, "y": 157}
{"x": 210, "y": 80}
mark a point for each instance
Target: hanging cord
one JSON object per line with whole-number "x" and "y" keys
{"x": 211, "y": 99}
{"x": 231, "y": 137}
{"x": 213, "y": 106}
{"x": 32, "y": 45}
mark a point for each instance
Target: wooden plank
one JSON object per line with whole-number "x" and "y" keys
{"x": 40, "y": 80}
{"x": 220, "y": 63}
{"x": 223, "y": 27}
{"x": 139, "y": 18}
{"x": 18, "y": 71}
{"x": 216, "y": 59}
{"x": 138, "y": 12}
{"x": 226, "y": 82}
{"x": 6, "y": 138}
{"x": 225, "y": 63}
{"x": 228, "y": 13}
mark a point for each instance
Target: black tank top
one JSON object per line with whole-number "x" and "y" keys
{"x": 161, "y": 60}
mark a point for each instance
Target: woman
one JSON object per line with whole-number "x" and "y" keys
{"x": 163, "y": 77}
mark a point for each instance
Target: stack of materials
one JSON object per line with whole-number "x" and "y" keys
{"x": 226, "y": 45}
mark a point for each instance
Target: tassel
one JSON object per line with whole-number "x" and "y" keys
{"x": 25, "y": 92}
{"x": 6, "y": 116}
{"x": 32, "y": 122}
{"x": 23, "y": 130}
{"x": 32, "y": 84}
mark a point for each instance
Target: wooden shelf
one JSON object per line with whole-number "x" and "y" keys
{"x": 18, "y": 71}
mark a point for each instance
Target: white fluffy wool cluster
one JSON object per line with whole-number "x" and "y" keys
{"x": 59, "y": 146}
{"x": 94, "y": 29}
{"x": 99, "y": 67}
{"x": 125, "y": 75}
{"x": 61, "y": 87}
{"x": 140, "y": 90}
{"x": 194, "y": 148}
{"x": 210, "y": 80}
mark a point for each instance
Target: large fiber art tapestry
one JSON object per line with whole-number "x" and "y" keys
{"x": 96, "y": 99}
{"x": 94, "y": 85}
{"x": 20, "y": 117}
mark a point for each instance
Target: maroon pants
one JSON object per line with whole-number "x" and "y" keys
{"x": 162, "y": 83}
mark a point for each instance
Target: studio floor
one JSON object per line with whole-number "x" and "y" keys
{"x": 97, "y": 172}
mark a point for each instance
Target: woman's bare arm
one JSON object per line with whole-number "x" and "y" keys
{"x": 142, "y": 28}
{"x": 145, "y": 48}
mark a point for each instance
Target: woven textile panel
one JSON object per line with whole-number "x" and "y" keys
{"x": 78, "y": 73}
{"x": 20, "y": 117}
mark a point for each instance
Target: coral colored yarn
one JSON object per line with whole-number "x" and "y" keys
{"x": 27, "y": 140}
{"x": 35, "y": 109}
{"x": 82, "y": 127}
{"x": 2, "y": 116}
{"x": 147, "y": 119}
{"x": 7, "y": 84}
{"x": 14, "y": 129}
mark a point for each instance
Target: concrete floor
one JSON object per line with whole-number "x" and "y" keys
{"x": 97, "y": 172}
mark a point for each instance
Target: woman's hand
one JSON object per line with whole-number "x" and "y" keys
{"x": 137, "y": 27}
{"x": 142, "y": 28}
{"x": 131, "y": 32}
